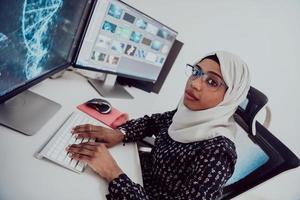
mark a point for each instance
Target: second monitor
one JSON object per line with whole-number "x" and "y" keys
{"x": 123, "y": 41}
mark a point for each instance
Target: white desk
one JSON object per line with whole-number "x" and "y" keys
{"x": 22, "y": 176}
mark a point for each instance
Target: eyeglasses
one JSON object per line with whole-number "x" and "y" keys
{"x": 213, "y": 82}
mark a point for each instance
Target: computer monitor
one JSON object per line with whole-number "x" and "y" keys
{"x": 122, "y": 41}
{"x": 37, "y": 39}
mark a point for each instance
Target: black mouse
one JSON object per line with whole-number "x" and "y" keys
{"x": 101, "y": 105}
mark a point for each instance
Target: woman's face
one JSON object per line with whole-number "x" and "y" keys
{"x": 197, "y": 95}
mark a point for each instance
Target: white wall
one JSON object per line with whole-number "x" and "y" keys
{"x": 266, "y": 34}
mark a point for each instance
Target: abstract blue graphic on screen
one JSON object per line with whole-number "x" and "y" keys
{"x": 37, "y": 19}
{"x": 35, "y": 37}
{"x": 3, "y": 40}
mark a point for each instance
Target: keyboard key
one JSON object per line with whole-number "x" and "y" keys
{"x": 61, "y": 157}
{"x": 78, "y": 141}
{"x": 73, "y": 163}
{"x": 85, "y": 140}
{"x": 67, "y": 160}
{"x": 80, "y": 166}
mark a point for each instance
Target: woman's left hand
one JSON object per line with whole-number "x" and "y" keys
{"x": 97, "y": 157}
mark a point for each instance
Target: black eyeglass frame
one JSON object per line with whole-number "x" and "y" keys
{"x": 201, "y": 73}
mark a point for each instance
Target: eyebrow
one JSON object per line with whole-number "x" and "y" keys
{"x": 211, "y": 72}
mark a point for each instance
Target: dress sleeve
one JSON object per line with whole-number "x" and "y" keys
{"x": 122, "y": 188}
{"x": 137, "y": 129}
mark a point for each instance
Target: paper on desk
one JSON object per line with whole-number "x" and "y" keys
{"x": 114, "y": 119}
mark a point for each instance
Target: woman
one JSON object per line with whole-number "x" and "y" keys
{"x": 194, "y": 153}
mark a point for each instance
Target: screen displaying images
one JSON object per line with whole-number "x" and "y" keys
{"x": 123, "y": 40}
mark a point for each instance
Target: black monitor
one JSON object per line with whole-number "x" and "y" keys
{"x": 122, "y": 41}
{"x": 37, "y": 39}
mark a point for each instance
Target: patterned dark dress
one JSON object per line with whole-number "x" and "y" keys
{"x": 175, "y": 170}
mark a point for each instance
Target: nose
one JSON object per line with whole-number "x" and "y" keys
{"x": 197, "y": 83}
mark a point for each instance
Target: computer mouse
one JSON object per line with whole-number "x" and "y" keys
{"x": 101, "y": 105}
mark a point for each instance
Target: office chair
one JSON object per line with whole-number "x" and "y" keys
{"x": 261, "y": 155}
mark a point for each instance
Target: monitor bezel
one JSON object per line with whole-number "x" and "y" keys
{"x": 126, "y": 76}
{"x": 70, "y": 59}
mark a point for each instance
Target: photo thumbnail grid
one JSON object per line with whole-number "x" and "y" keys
{"x": 117, "y": 12}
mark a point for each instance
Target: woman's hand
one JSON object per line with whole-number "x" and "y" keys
{"x": 97, "y": 157}
{"x": 109, "y": 137}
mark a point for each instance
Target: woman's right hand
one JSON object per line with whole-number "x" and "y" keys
{"x": 107, "y": 136}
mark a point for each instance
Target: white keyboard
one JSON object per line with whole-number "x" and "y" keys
{"x": 55, "y": 151}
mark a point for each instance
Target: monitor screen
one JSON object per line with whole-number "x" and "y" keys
{"x": 124, "y": 41}
{"x": 35, "y": 39}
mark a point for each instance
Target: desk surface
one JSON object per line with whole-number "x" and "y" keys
{"x": 22, "y": 176}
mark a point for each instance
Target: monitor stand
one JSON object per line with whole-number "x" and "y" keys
{"x": 110, "y": 88}
{"x": 27, "y": 112}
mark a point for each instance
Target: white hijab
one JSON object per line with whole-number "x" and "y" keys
{"x": 191, "y": 126}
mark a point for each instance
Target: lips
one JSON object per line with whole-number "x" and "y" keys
{"x": 190, "y": 96}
